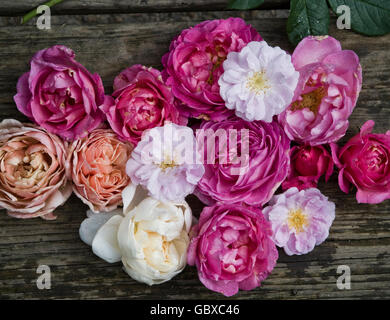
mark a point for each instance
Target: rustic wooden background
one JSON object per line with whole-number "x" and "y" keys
{"x": 108, "y": 36}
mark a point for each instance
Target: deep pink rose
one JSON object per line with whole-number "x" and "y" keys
{"x": 307, "y": 165}
{"x": 365, "y": 162}
{"x": 232, "y": 249}
{"x": 34, "y": 179}
{"x": 193, "y": 64}
{"x": 142, "y": 101}
{"x": 252, "y": 169}
{"x": 60, "y": 95}
{"x": 328, "y": 88}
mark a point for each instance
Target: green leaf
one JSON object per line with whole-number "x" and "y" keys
{"x": 369, "y": 17}
{"x": 307, "y": 17}
{"x": 244, "y": 4}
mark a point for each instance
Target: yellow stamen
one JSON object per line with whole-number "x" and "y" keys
{"x": 297, "y": 220}
{"x": 258, "y": 82}
{"x": 311, "y": 100}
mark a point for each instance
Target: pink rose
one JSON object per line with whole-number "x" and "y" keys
{"x": 300, "y": 220}
{"x": 142, "y": 101}
{"x": 193, "y": 64}
{"x": 328, "y": 88}
{"x": 232, "y": 248}
{"x": 60, "y": 95}
{"x": 98, "y": 164}
{"x": 254, "y": 167}
{"x": 365, "y": 162}
{"x": 33, "y": 175}
{"x": 307, "y": 165}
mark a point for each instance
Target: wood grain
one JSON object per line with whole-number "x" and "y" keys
{"x": 359, "y": 237}
{"x": 128, "y": 6}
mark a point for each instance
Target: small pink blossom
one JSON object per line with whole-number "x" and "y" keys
{"x": 158, "y": 164}
{"x": 258, "y": 82}
{"x": 300, "y": 220}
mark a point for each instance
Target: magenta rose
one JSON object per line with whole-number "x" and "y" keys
{"x": 251, "y": 170}
{"x": 60, "y": 95}
{"x": 365, "y": 163}
{"x": 307, "y": 165}
{"x": 232, "y": 248}
{"x": 142, "y": 101}
{"x": 328, "y": 88}
{"x": 34, "y": 179}
{"x": 193, "y": 64}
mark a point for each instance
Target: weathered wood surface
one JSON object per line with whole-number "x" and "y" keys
{"x": 359, "y": 237}
{"x": 129, "y": 6}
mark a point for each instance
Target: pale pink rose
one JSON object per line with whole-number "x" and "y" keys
{"x": 232, "y": 248}
{"x": 300, "y": 220}
{"x": 60, "y": 94}
{"x": 328, "y": 88}
{"x": 365, "y": 163}
{"x": 258, "y": 82}
{"x": 33, "y": 174}
{"x": 307, "y": 165}
{"x": 142, "y": 101}
{"x": 98, "y": 164}
{"x": 194, "y": 64}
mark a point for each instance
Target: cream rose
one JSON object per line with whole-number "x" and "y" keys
{"x": 151, "y": 239}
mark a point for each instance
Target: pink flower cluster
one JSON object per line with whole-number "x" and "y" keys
{"x": 265, "y": 119}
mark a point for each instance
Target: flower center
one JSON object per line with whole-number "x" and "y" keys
{"x": 167, "y": 163}
{"x": 258, "y": 82}
{"x": 297, "y": 220}
{"x": 311, "y": 100}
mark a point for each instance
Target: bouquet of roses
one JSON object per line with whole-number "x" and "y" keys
{"x": 230, "y": 119}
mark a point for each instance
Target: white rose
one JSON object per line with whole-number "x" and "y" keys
{"x": 151, "y": 238}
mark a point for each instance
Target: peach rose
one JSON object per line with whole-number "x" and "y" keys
{"x": 98, "y": 164}
{"x": 33, "y": 176}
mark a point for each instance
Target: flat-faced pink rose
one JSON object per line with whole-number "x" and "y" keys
{"x": 33, "y": 175}
{"x": 98, "y": 167}
{"x": 300, "y": 220}
{"x": 307, "y": 165}
{"x": 232, "y": 248}
{"x": 193, "y": 64}
{"x": 328, "y": 88}
{"x": 248, "y": 168}
{"x": 142, "y": 101}
{"x": 365, "y": 163}
{"x": 60, "y": 94}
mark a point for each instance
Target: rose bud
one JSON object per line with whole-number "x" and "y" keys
{"x": 307, "y": 165}
{"x": 60, "y": 94}
{"x": 365, "y": 163}
{"x": 33, "y": 175}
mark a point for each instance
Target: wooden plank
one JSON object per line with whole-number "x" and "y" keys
{"x": 125, "y": 6}
{"x": 359, "y": 237}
